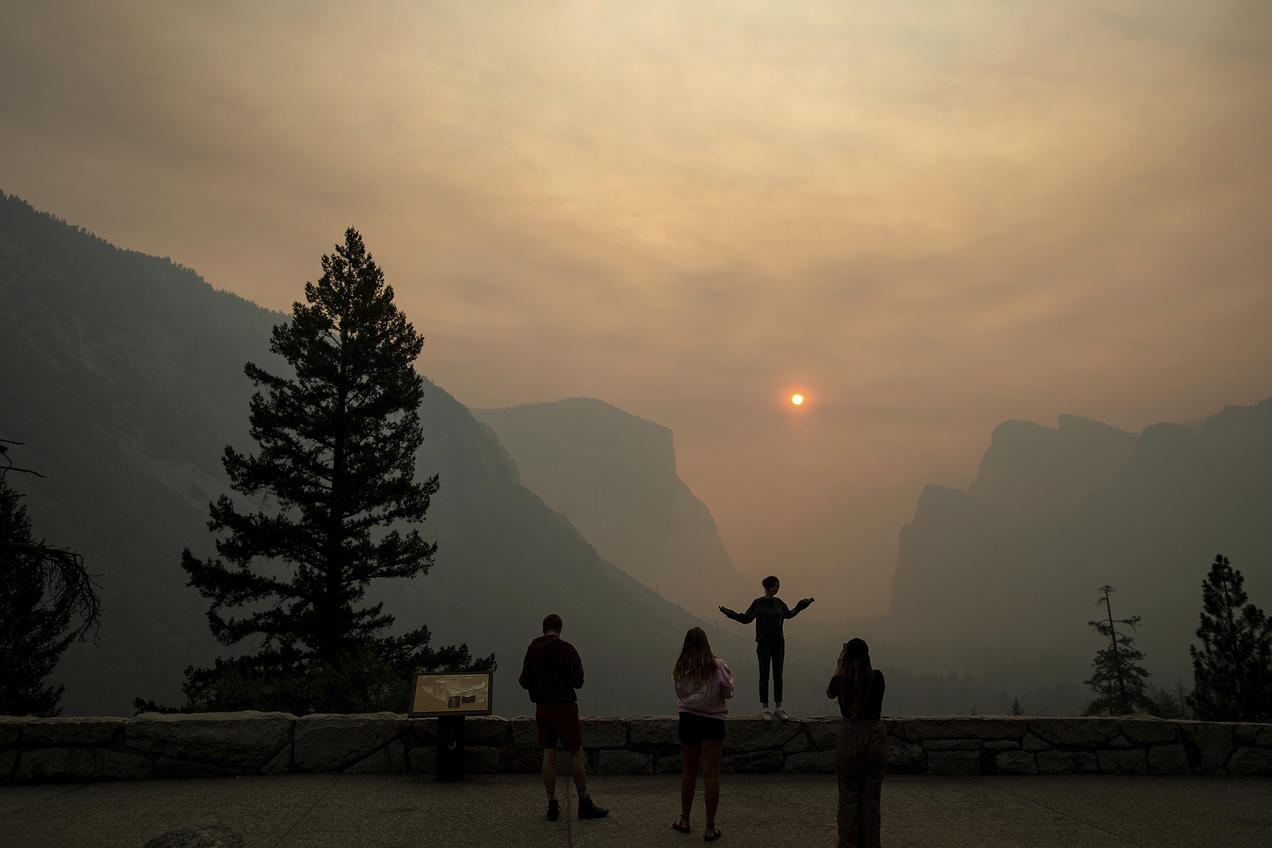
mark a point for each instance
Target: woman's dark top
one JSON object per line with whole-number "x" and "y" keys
{"x": 870, "y": 710}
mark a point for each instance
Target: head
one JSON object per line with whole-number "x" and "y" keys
{"x": 551, "y": 624}
{"x": 771, "y": 584}
{"x": 696, "y": 661}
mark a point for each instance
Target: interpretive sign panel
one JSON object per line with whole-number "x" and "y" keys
{"x": 452, "y": 694}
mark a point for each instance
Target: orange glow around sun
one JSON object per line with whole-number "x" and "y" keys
{"x": 797, "y": 399}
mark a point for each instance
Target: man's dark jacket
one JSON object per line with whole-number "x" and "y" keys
{"x": 552, "y": 671}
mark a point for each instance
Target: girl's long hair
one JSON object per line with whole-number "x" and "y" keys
{"x": 857, "y": 668}
{"x": 696, "y": 661}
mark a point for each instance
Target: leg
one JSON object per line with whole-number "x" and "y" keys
{"x": 578, "y": 769}
{"x": 549, "y": 769}
{"x": 690, "y": 759}
{"x": 763, "y": 655}
{"x": 711, "y": 776}
{"x": 779, "y": 657}
{"x": 876, "y": 762}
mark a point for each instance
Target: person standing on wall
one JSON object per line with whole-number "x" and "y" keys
{"x": 861, "y": 749}
{"x": 552, "y": 670}
{"x": 703, "y": 683}
{"x": 768, "y": 613}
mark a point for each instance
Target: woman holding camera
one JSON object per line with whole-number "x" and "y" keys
{"x": 861, "y": 749}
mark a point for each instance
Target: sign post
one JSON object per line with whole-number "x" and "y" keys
{"x": 449, "y": 697}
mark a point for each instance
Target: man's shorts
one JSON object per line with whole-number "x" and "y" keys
{"x": 695, "y": 729}
{"x": 558, "y": 722}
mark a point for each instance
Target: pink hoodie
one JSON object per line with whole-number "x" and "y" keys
{"x": 706, "y": 697}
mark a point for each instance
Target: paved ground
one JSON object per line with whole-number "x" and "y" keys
{"x": 316, "y": 811}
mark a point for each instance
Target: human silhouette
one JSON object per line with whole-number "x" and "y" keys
{"x": 768, "y": 613}
{"x": 861, "y": 748}
{"x": 703, "y": 683}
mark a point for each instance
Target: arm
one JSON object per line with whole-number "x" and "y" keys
{"x": 832, "y": 688}
{"x": 524, "y": 680}
{"x": 743, "y": 618}
{"x": 799, "y": 607}
{"x": 576, "y": 669}
{"x": 726, "y": 678}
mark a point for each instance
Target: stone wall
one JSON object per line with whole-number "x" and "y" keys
{"x": 219, "y": 744}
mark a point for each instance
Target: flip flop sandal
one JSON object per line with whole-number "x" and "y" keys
{"x": 682, "y": 825}
{"x": 711, "y": 834}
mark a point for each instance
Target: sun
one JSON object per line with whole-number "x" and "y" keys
{"x": 797, "y": 399}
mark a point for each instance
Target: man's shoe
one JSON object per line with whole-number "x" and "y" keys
{"x": 780, "y": 714}
{"x": 766, "y": 714}
{"x": 554, "y": 810}
{"x": 588, "y": 810}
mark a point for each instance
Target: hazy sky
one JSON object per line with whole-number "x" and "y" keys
{"x": 928, "y": 216}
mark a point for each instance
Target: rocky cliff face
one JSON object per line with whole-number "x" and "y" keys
{"x": 1013, "y": 564}
{"x": 123, "y": 374}
{"x": 614, "y": 476}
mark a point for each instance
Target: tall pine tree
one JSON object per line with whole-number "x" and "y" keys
{"x": 336, "y": 462}
{"x": 1232, "y": 670}
{"x": 1119, "y": 681}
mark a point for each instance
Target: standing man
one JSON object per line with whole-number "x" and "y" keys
{"x": 551, "y": 672}
{"x": 768, "y": 613}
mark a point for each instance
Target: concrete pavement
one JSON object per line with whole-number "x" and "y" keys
{"x": 506, "y": 811}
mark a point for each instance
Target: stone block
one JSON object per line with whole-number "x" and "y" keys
{"x": 1122, "y": 761}
{"x": 1168, "y": 759}
{"x": 604, "y": 732}
{"x": 1016, "y": 762}
{"x": 11, "y": 730}
{"x": 245, "y": 740}
{"x": 524, "y": 732}
{"x": 488, "y": 731}
{"x": 953, "y": 762}
{"x": 1208, "y": 744}
{"x": 72, "y": 732}
{"x": 1087, "y": 733}
{"x": 951, "y": 744}
{"x": 822, "y": 732}
{"x": 752, "y": 762}
{"x": 423, "y": 731}
{"x": 422, "y": 759}
{"x": 334, "y": 742}
{"x": 964, "y": 727}
{"x": 653, "y": 731}
{"x": 997, "y": 745}
{"x": 618, "y": 761}
{"x": 8, "y": 763}
{"x": 387, "y": 759}
{"x": 281, "y": 763}
{"x": 81, "y": 764}
{"x": 799, "y": 744}
{"x": 1150, "y": 731}
{"x": 1034, "y": 742}
{"x": 750, "y": 734}
{"x": 1263, "y": 737}
{"x": 905, "y": 757}
{"x": 810, "y": 762}
{"x": 1251, "y": 761}
{"x": 1067, "y": 762}
{"x": 1119, "y": 741}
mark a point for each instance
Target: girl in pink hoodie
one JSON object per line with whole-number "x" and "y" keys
{"x": 703, "y": 682}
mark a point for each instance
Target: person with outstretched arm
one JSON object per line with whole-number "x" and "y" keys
{"x": 768, "y": 613}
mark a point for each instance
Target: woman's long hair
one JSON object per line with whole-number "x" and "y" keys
{"x": 696, "y": 661}
{"x": 857, "y": 669}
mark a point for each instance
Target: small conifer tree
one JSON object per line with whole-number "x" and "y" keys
{"x": 1232, "y": 670}
{"x": 1119, "y": 681}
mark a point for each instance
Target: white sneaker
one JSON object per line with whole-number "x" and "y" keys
{"x": 780, "y": 714}
{"x": 766, "y": 714}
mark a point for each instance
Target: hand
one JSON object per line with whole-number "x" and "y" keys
{"x": 724, "y": 610}
{"x": 810, "y": 600}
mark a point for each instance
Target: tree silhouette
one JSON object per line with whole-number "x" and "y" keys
{"x": 42, "y": 590}
{"x": 1119, "y": 681}
{"x": 336, "y": 465}
{"x": 1232, "y": 670}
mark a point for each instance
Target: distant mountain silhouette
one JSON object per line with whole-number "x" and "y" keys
{"x": 614, "y": 476}
{"x": 123, "y": 374}
{"x": 1012, "y": 566}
